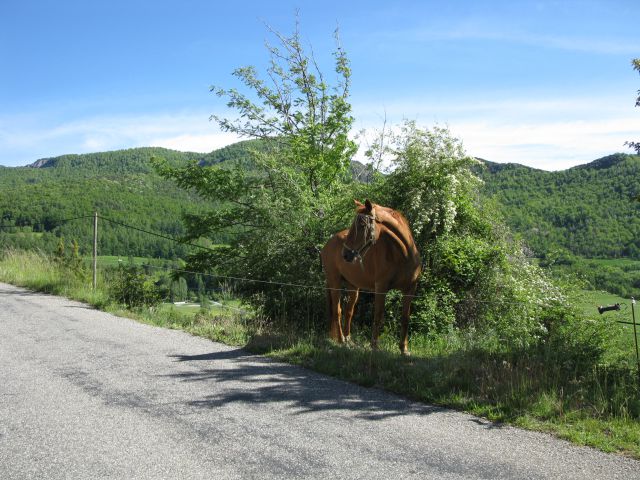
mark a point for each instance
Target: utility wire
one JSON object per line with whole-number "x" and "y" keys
{"x": 166, "y": 237}
{"x": 241, "y": 279}
{"x": 315, "y": 287}
{"x": 282, "y": 284}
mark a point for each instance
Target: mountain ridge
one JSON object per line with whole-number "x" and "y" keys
{"x": 586, "y": 210}
{"x": 589, "y": 210}
{"x": 231, "y": 150}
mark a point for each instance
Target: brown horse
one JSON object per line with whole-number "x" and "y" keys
{"x": 376, "y": 254}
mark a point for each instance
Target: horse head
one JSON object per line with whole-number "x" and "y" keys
{"x": 362, "y": 234}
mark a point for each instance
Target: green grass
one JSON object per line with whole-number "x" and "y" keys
{"x": 38, "y": 271}
{"x": 520, "y": 391}
{"x": 548, "y": 389}
{"x": 616, "y": 262}
{"x": 590, "y": 300}
{"x": 621, "y": 334}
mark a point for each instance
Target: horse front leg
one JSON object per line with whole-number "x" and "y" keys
{"x": 335, "y": 329}
{"x": 407, "y": 297}
{"x": 378, "y": 316}
{"x": 351, "y": 306}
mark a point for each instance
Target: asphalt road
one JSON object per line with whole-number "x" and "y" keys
{"x": 85, "y": 394}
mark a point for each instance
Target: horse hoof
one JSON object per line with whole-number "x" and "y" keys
{"x": 336, "y": 338}
{"x": 405, "y": 353}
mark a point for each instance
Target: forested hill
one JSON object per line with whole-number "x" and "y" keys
{"x": 118, "y": 162}
{"x": 589, "y": 210}
{"x": 37, "y": 200}
{"x": 136, "y": 160}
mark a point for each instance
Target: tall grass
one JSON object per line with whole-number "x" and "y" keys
{"x": 41, "y": 272}
{"x": 38, "y": 271}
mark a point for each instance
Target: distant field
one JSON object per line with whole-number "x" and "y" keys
{"x": 112, "y": 261}
{"x": 624, "y": 263}
{"x": 590, "y": 300}
{"x": 227, "y": 307}
{"x": 622, "y": 334}
{"x": 115, "y": 260}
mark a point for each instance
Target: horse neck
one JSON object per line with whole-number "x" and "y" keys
{"x": 399, "y": 229}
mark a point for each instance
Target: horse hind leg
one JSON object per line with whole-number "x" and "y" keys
{"x": 378, "y": 316}
{"x": 407, "y": 298}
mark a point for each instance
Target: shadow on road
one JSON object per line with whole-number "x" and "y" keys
{"x": 239, "y": 377}
{"x": 19, "y": 292}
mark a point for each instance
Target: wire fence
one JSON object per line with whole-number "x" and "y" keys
{"x": 310, "y": 316}
{"x": 494, "y": 302}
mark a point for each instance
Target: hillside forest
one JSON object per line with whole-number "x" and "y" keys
{"x": 568, "y": 219}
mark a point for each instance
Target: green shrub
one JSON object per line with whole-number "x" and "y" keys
{"x": 476, "y": 276}
{"x": 132, "y": 288}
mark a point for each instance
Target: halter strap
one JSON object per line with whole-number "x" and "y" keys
{"x": 359, "y": 253}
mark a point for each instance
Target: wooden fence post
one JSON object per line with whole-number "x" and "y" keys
{"x": 95, "y": 250}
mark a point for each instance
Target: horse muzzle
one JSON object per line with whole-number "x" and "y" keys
{"x": 349, "y": 255}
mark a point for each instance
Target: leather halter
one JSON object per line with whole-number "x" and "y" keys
{"x": 369, "y": 236}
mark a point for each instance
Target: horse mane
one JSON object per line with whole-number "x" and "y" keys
{"x": 398, "y": 225}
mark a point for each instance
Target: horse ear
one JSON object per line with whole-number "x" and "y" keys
{"x": 368, "y": 205}
{"x": 358, "y": 204}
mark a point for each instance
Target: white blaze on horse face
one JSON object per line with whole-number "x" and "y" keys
{"x": 361, "y": 236}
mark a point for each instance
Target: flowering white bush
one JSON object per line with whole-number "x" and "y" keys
{"x": 476, "y": 276}
{"x": 432, "y": 177}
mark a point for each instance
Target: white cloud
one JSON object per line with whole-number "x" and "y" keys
{"x": 26, "y": 139}
{"x": 480, "y": 29}
{"x": 549, "y": 146}
{"x": 196, "y": 143}
{"x": 547, "y": 133}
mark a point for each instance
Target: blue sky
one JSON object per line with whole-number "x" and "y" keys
{"x": 543, "y": 83}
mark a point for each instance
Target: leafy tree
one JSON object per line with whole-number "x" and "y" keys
{"x": 60, "y": 251}
{"x": 475, "y": 275}
{"x": 281, "y": 202}
{"x": 302, "y": 112}
{"x": 179, "y": 291}
{"x": 636, "y": 66}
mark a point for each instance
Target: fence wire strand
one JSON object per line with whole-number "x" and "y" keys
{"x": 253, "y": 280}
